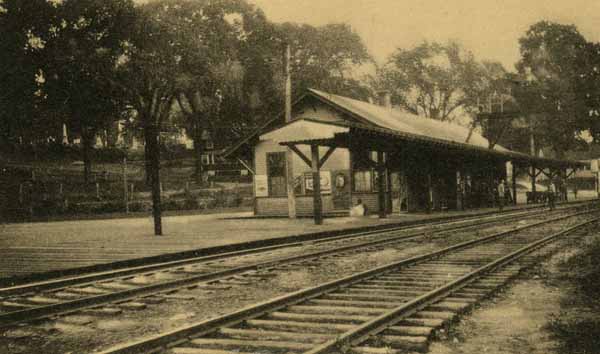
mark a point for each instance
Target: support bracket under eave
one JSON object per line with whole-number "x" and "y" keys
{"x": 300, "y": 154}
{"x": 326, "y": 156}
{"x": 572, "y": 172}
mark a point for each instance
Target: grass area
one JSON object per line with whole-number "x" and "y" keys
{"x": 577, "y": 326}
{"x": 56, "y": 190}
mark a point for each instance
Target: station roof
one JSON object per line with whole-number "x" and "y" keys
{"x": 377, "y": 120}
{"x": 402, "y": 121}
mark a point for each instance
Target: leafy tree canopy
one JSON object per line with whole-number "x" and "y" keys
{"x": 325, "y": 57}
{"x": 556, "y": 89}
{"x": 437, "y": 80}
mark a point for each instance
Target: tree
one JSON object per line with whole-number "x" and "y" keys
{"x": 80, "y": 69}
{"x": 588, "y": 88}
{"x": 148, "y": 77}
{"x": 212, "y": 85}
{"x": 435, "y": 80}
{"x": 25, "y": 31}
{"x": 325, "y": 58}
{"x": 554, "y": 93}
{"x": 61, "y": 56}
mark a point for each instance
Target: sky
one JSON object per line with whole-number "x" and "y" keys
{"x": 489, "y": 28}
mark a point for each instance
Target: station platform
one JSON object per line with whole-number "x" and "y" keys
{"x": 30, "y": 250}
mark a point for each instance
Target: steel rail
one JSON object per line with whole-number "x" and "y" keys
{"x": 65, "y": 307}
{"x": 378, "y": 324}
{"x": 181, "y": 335}
{"x": 89, "y": 279}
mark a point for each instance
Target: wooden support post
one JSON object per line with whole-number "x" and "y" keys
{"x": 289, "y": 172}
{"x": 317, "y": 204}
{"x": 515, "y": 170}
{"x": 460, "y": 190}
{"x": 429, "y": 193}
{"x": 388, "y": 183}
{"x": 380, "y": 184}
{"x": 564, "y": 178}
{"x": 533, "y": 175}
{"x": 351, "y": 169}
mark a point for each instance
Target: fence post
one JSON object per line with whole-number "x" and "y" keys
{"x": 125, "y": 199}
{"x": 61, "y": 196}
{"x": 97, "y": 190}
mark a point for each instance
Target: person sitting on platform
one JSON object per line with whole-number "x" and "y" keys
{"x": 359, "y": 209}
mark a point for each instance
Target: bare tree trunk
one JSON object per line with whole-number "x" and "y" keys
{"x": 147, "y": 153}
{"x": 198, "y": 150}
{"x": 153, "y": 173}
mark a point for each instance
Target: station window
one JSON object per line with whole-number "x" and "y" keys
{"x": 363, "y": 181}
{"x": 208, "y": 159}
{"x": 276, "y": 174}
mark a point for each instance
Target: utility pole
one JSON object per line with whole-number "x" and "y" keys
{"x": 289, "y": 154}
{"x": 533, "y": 153}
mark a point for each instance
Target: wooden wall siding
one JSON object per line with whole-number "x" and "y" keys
{"x": 278, "y": 206}
{"x": 316, "y": 110}
{"x": 368, "y": 199}
{"x": 304, "y": 204}
{"x": 271, "y": 206}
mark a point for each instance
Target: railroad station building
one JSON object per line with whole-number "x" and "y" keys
{"x": 390, "y": 160}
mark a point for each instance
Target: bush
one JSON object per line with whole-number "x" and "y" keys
{"x": 107, "y": 207}
{"x": 190, "y": 203}
{"x": 232, "y": 200}
{"x": 140, "y": 206}
{"x": 114, "y": 155}
{"x": 207, "y": 203}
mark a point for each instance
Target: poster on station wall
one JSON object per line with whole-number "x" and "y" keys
{"x": 325, "y": 182}
{"x": 261, "y": 186}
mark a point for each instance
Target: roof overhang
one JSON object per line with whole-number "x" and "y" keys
{"x": 303, "y": 130}
{"x": 308, "y": 131}
{"x": 312, "y": 131}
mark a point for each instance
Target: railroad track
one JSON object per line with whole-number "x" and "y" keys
{"x": 387, "y": 309}
{"x": 117, "y": 269}
{"x": 25, "y": 304}
{"x": 89, "y": 278}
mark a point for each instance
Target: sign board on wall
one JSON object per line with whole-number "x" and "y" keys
{"x": 261, "y": 186}
{"x": 325, "y": 182}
